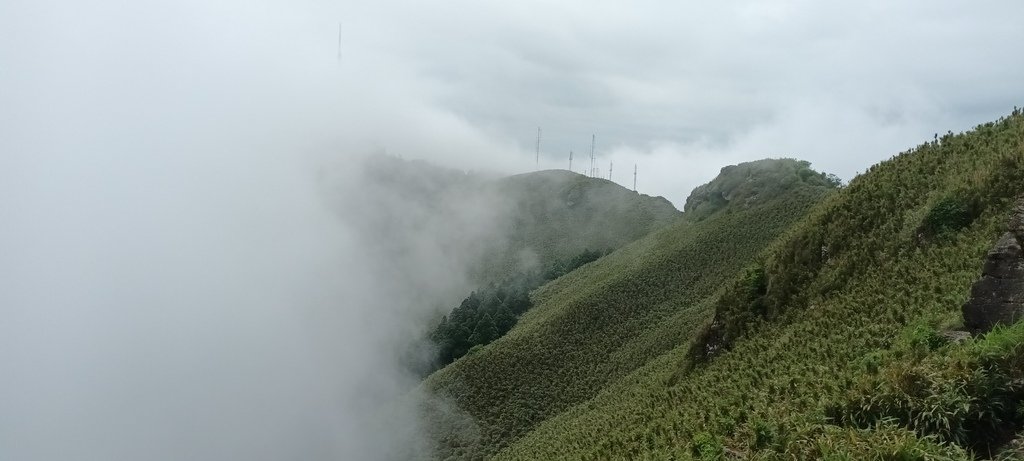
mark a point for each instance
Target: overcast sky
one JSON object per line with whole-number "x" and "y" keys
{"x": 680, "y": 88}
{"x": 683, "y": 88}
{"x": 173, "y": 282}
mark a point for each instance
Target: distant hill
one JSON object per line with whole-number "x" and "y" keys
{"x": 693, "y": 343}
{"x": 555, "y": 215}
{"x": 600, "y": 323}
{"x": 747, "y": 184}
{"x": 500, "y": 226}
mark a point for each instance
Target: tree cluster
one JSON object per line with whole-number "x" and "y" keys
{"x": 488, "y": 314}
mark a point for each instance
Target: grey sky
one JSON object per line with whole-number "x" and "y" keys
{"x": 683, "y": 88}
{"x": 173, "y": 282}
{"x": 680, "y": 88}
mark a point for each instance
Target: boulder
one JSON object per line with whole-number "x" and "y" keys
{"x": 955, "y": 336}
{"x": 998, "y": 297}
{"x": 1004, "y": 259}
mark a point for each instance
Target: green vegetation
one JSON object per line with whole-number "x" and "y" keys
{"x": 949, "y": 214}
{"x": 600, "y": 323}
{"x": 555, "y": 215}
{"x": 485, "y": 316}
{"x": 822, "y": 347}
{"x": 970, "y": 394}
{"x": 747, "y": 184}
{"x": 501, "y": 227}
{"x": 499, "y": 237}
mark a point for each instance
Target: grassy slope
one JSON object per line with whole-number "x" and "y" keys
{"x": 843, "y": 291}
{"x": 601, "y": 322}
{"x": 515, "y": 223}
{"x": 555, "y": 215}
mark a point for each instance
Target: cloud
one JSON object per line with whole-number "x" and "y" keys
{"x": 177, "y": 280}
{"x": 705, "y": 77}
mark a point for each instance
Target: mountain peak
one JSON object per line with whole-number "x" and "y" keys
{"x": 750, "y": 183}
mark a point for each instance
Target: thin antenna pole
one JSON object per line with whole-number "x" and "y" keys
{"x": 634, "y": 177}
{"x": 610, "y": 164}
{"x": 538, "y": 148}
{"x": 570, "y": 159}
{"x": 339, "y": 42}
{"x": 593, "y": 140}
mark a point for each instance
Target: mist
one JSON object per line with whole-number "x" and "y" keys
{"x": 193, "y": 263}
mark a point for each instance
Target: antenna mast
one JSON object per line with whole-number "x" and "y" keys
{"x": 570, "y": 159}
{"x": 634, "y": 177}
{"x": 538, "y": 149}
{"x": 593, "y": 139}
{"x": 610, "y": 164}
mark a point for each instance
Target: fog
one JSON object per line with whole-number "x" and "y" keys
{"x": 195, "y": 265}
{"x": 192, "y": 264}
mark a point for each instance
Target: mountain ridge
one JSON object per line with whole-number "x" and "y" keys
{"x": 539, "y": 368}
{"x": 857, "y": 290}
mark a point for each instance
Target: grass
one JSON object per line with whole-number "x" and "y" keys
{"x": 822, "y": 347}
{"x": 601, "y": 323}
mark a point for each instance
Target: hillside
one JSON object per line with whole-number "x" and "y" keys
{"x": 829, "y": 345}
{"x": 555, "y": 215}
{"x": 501, "y": 226}
{"x": 747, "y": 184}
{"x": 601, "y": 322}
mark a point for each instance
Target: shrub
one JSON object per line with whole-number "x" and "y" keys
{"x": 967, "y": 395}
{"x": 949, "y": 214}
{"x": 705, "y": 446}
{"x": 765, "y": 435}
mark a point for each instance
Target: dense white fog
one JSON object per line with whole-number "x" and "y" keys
{"x": 187, "y": 272}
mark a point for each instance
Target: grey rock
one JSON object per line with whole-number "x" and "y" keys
{"x": 998, "y": 290}
{"x": 998, "y": 296}
{"x": 955, "y": 336}
{"x": 982, "y": 316}
{"x": 1004, "y": 259}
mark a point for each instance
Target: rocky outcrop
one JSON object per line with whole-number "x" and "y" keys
{"x": 998, "y": 297}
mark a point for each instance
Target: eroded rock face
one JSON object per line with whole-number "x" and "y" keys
{"x": 998, "y": 297}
